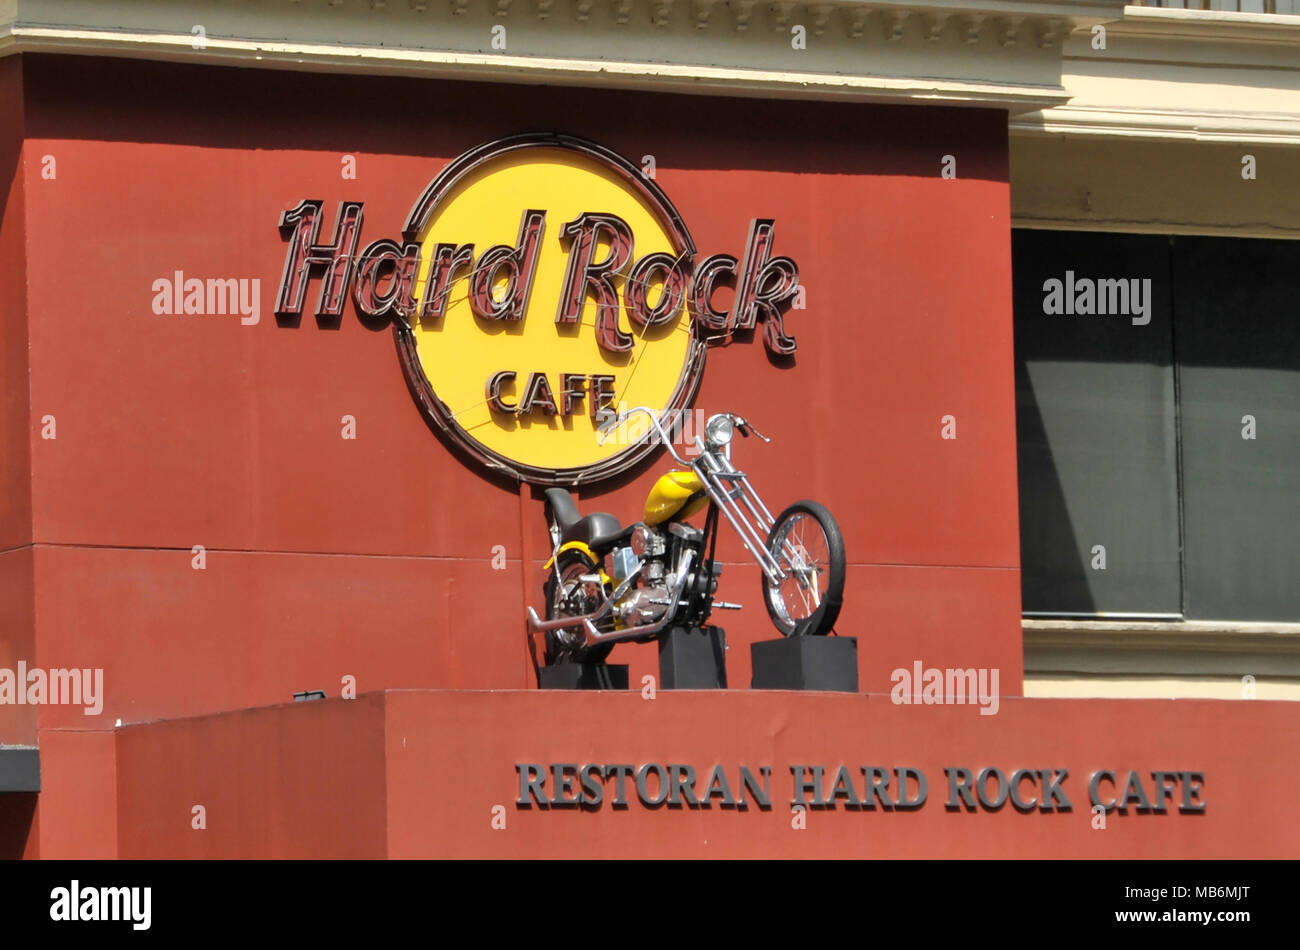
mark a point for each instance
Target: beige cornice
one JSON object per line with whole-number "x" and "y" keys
{"x": 998, "y": 53}
{"x": 505, "y": 68}
{"x": 1165, "y": 74}
{"x": 1211, "y": 25}
{"x": 1161, "y": 647}
{"x": 1175, "y": 124}
{"x": 1180, "y": 75}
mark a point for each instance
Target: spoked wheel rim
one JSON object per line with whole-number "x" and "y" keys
{"x": 569, "y": 582}
{"x": 800, "y": 546}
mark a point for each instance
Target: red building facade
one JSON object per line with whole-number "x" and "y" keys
{"x": 185, "y": 512}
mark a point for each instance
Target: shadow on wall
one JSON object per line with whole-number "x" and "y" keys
{"x": 17, "y": 823}
{"x": 1052, "y": 574}
{"x": 117, "y": 100}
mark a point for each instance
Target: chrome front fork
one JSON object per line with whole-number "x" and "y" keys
{"x": 753, "y": 522}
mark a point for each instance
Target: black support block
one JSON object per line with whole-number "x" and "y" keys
{"x": 693, "y": 658}
{"x": 583, "y": 676}
{"x": 817, "y": 663}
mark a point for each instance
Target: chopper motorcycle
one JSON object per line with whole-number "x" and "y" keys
{"x": 610, "y": 583}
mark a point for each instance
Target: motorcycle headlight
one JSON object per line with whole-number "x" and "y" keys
{"x": 719, "y": 430}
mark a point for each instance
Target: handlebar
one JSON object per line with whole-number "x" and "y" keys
{"x": 609, "y": 425}
{"x": 745, "y": 427}
{"x": 605, "y": 428}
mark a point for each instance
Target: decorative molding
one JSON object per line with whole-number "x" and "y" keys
{"x": 780, "y": 12}
{"x": 627, "y": 48}
{"x": 497, "y": 67}
{"x": 1051, "y": 32}
{"x": 280, "y": 22}
{"x": 1209, "y": 26}
{"x": 932, "y": 25}
{"x": 821, "y": 15}
{"x": 970, "y": 27}
{"x": 743, "y": 11}
{"x": 857, "y": 17}
{"x": 1185, "y": 125}
{"x": 1009, "y": 30}
{"x": 1161, "y": 647}
{"x": 892, "y": 22}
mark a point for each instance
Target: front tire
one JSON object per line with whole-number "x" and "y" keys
{"x": 805, "y": 541}
{"x": 559, "y": 595}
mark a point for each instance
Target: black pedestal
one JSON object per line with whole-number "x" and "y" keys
{"x": 693, "y": 658}
{"x": 823, "y": 663}
{"x": 583, "y": 676}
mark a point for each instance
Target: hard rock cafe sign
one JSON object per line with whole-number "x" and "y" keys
{"x": 541, "y": 280}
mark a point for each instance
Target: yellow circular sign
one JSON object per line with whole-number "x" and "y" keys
{"x": 552, "y": 288}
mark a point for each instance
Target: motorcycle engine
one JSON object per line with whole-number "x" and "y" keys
{"x": 648, "y": 601}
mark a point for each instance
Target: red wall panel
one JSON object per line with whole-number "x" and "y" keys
{"x": 455, "y": 755}
{"x": 432, "y": 766}
{"x": 310, "y": 784}
{"x": 254, "y": 628}
{"x": 18, "y": 724}
{"x": 372, "y": 556}
{"x": 78, "y": 800}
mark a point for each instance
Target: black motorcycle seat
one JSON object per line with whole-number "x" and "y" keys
{"x": 600, "y": 531}
{"x": 562, "y": 506}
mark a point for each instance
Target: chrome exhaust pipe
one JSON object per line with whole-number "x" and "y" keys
{"x": 537, "y": 625}
{"x": 592, "y": 636}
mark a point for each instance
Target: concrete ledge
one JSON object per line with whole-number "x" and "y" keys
{"x": 20, "y": 769}
{"x": 452, "y": 774}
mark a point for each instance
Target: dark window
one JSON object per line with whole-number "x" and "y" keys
{"x": 1096, "y": 427}
{"x": 1237, "y": 336}
{"x": 1141, "y": 491}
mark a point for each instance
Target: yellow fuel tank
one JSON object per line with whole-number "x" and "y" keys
{"x": 676, "y": 494}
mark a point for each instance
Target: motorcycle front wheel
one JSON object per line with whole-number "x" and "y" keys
{"x": 806, "y": 542}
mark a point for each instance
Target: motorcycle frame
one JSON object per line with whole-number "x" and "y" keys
{"x": 740, "y": 504}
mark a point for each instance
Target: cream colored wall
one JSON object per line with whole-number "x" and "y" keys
{"x": 1165, "y": 658}
{"x": 1163, "y": 187}
{"x": 1157, "y": 127}
{"x": 1114, "y": 686}
{"x": 1153, "y": 141}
